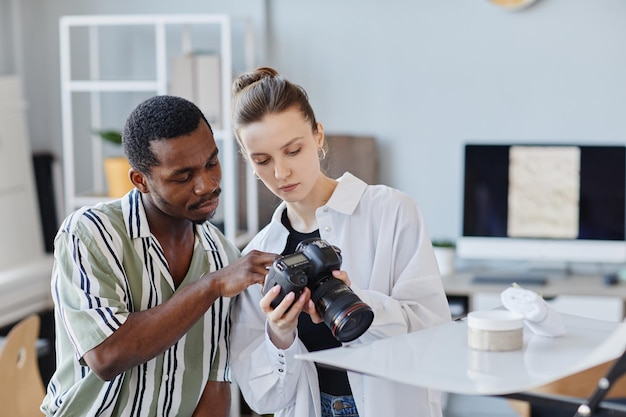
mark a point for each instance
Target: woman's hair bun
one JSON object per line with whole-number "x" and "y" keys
{"x": 252, "y": 77}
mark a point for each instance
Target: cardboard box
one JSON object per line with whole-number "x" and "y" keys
{"x": 197, "y": 77}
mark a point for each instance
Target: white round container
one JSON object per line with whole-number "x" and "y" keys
{"x": 495, "y": 330}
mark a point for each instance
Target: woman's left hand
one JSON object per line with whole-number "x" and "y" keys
{"x": 309, "y": 307}
{"x": 342, "y": 276}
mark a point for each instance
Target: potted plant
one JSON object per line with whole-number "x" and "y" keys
{"x": 445, "y": 252}
{"x": 115, "y": 167}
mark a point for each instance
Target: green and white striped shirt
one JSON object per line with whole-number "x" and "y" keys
{"x": 108, "y": 265}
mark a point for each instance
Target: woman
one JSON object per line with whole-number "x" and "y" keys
{"x": 388, "y": 262}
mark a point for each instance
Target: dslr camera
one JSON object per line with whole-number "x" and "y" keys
{"x": 311, "y": 266}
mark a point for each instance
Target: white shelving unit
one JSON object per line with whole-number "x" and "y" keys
{"x": 83, "y": 58}
{"x": 10, "y": 37}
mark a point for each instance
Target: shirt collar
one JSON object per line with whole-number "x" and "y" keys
{"x": 135, "y": 215}
{"x": 344, "y": 199}
{"x": 137, "y": 222}
{"x": 347, "y": 195}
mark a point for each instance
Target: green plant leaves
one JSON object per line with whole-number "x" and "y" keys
{"x": 113, "y": 136}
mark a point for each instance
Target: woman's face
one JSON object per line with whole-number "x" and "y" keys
{"x": 283, "y": 151}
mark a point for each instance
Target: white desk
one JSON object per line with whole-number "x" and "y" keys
{"x": 579, "y": 294}
{"x": 584, "y": 285}
{"x": 25, "y": 289}
{"x": 25, "y": 269}
{"x": 439, "y": 357}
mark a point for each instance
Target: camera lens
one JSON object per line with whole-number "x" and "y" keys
{"x": 344, "y": 313}
{"x": 351, "y": 323}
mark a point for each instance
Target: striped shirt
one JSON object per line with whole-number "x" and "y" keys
{"x": 108, "y": 265}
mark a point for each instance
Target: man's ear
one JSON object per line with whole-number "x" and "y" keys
{"x": 139, "y": 180}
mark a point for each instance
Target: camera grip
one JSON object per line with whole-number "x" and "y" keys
{"x": 288, "y": 281}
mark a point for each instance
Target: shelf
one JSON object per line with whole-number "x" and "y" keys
{"x": 95, "y": 86}
{"x": 146, "y": 19}
{"x": 90, "y": 101}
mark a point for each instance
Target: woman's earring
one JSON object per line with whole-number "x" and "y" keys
{"x": 321, "y": 153}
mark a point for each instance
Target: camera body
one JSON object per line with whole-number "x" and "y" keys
{"x": 311, "y": 266}
{"x": 311, "y": 263}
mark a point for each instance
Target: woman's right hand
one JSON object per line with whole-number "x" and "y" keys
{"x": 283, "y": 320}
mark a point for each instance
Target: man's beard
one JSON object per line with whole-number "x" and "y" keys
{"x": 214, "y": 195}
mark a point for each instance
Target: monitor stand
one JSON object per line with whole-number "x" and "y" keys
{"x": 523, "y": 280}
{"x": 525, "y": 274}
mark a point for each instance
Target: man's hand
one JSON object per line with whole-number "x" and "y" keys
{"x": 148, "y": 333}
{"x": 236, "y": 277}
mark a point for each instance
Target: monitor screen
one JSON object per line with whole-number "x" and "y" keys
{"x": 544, "y": 202}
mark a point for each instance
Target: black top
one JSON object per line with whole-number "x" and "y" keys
{"x": 316, "y": 336}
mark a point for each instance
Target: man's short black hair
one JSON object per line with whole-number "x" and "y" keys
{"x": 157, "y": 118}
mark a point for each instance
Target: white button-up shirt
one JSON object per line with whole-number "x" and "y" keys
{"x": 388, "y": 256}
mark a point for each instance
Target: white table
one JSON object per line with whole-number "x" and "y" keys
{"x": 439, "y": 357}
{"x": 25, "y": 289}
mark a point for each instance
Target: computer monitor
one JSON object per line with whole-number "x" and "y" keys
{"x": 544, "y": 203}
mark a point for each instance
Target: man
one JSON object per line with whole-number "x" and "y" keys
{"x": 141, "y": 285}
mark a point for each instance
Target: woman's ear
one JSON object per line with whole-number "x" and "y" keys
{"x": 319, "y": 136}
{"x": 138, "y": 179}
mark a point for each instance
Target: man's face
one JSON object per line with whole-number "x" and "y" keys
{"x": 186, "y": 183}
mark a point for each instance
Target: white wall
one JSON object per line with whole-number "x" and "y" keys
{"x": 423, "y": 76}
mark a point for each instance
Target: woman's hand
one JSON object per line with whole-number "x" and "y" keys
{"x": 310, "y": 306}
{"x": 283, "y": 320}
{"x": 342, "y": 276}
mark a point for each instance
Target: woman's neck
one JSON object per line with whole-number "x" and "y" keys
{"x": 301, "y": 214}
